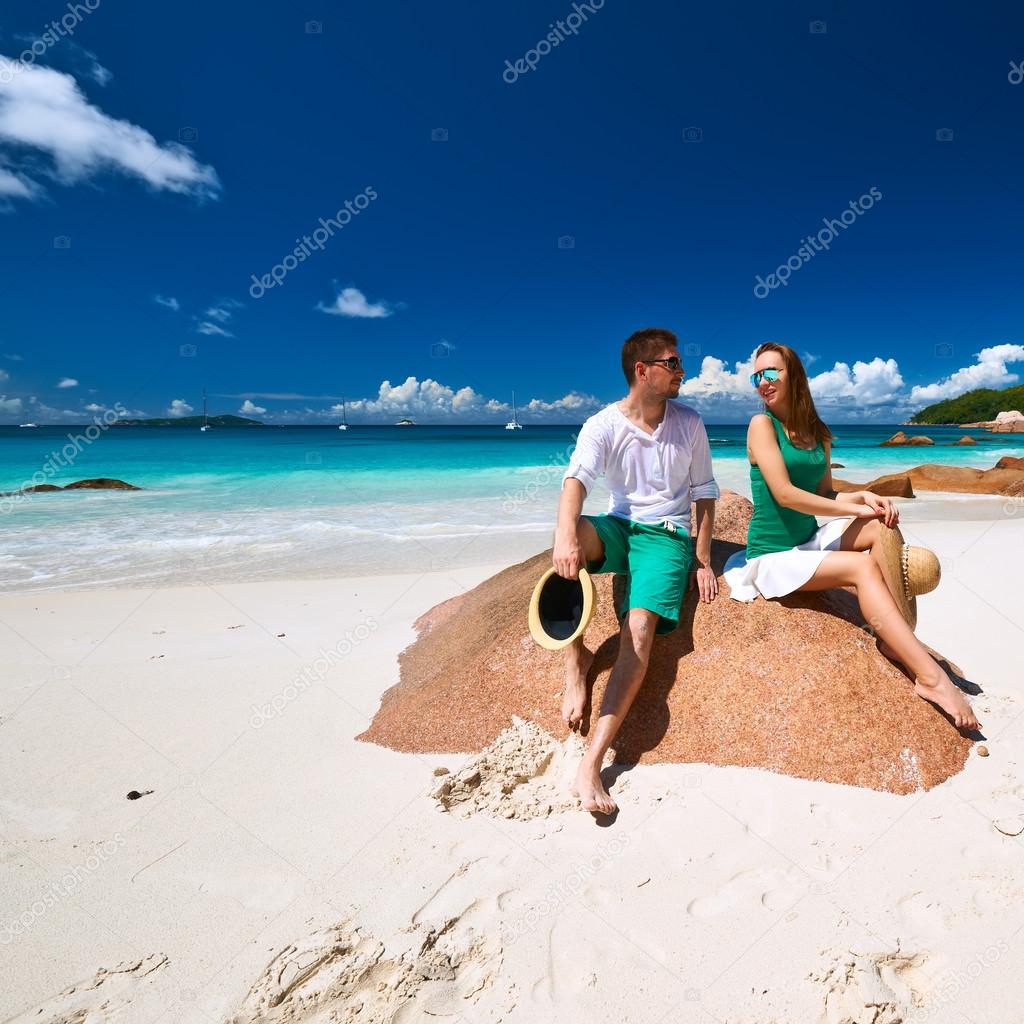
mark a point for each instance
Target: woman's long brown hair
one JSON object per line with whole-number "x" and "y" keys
{"x": 803, "y": 420}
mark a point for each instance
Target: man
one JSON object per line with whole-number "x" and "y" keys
{"x": 655, "y": 457}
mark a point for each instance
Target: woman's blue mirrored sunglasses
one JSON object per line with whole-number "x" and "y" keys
{"x": 772, "y": 375}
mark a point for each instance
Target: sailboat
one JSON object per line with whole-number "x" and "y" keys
{"x": 343, "y": 425}
{"x": 206, "y": 419}
{"x": 514, "y": 423}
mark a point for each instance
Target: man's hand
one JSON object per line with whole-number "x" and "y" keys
{"x": 567, "y": 556}
{"x": 707, "y": 584}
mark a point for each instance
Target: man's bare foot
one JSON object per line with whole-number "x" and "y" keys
{"x": 574, "y": 699}
{"x": 939, "y": 689}
{"x": 590, "y": 789}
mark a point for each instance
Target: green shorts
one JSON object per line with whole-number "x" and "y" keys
{"x": 654, "y": 560}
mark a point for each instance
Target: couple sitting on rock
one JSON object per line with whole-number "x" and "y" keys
{"x": 655, "y": 457}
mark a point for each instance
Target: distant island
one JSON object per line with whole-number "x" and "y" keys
{"x": 972, "y": 407}
{"x": 190, "y": 421}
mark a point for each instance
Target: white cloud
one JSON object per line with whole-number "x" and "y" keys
{"x": 352, "y": 302}
{"x": 250, "y": 409}
{"x": 430, "y": 401}
{"x": 4, "y": 375}
{"x": 579, "y": 405}
{"x": 223, "y": 310}
{"x": 10, "y": 405}
{"x": 178, "y": 408}
{"x": 44, "y": 113}
{"x": 93, "y": 407}
{"x": 67, "y": 382}
{"x": 207, "y": 328}
{"x": 988, "y": 372}
{"x": 876, "y": 383}
{"x": 14, "y": 357}
{"x": 716, "y": 380}
{"x": 219, "y": 313}
{"x": 16, "y": 186}
{"x": 170, "y": 302}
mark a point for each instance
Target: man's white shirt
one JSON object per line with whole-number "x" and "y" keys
{"x": 652, "y": 477}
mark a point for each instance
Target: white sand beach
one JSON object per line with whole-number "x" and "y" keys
{"x": 277, "y": 869}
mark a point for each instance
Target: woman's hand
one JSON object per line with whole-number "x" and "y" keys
{"x": 707, "y": 583}
{"x": 884, "y": 508}
{"x": 567, "y": 556}
{"x": 850, "y": 506}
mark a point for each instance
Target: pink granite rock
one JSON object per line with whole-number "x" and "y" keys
{"x": 793, "y": 686}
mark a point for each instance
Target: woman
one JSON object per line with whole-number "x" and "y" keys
{"x": 789, "y": 449}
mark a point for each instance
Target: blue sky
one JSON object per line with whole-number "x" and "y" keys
{"x": 649, "y": 169}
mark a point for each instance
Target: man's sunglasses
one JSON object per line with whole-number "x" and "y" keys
{"x": 772, "y": 375}
{"x": 673, "y": 363}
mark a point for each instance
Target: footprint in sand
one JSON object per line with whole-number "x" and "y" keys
{"x": 774, "y": 888}
{"x": 883, "y": 988}
{"x": 921, "y": 916}
{"x": 342, "y": 973}
{"x": 461, "y": 892}
{"x": 107, "y": 996}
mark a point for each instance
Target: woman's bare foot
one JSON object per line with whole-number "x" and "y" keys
{"x": 590, "y": 789}
{"x": 939, "y": 689}
{"x": 574, "y": 699}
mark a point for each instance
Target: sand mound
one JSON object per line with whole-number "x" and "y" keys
{"x": 340, "y": 974}
{"x": 525, "y": 773}
{"x": 109, "y": 995}
{"x": 873, "y": 988}
{"x": 794, "y": 686}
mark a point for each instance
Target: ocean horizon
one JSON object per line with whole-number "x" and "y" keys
{"x": 246, "y": 503}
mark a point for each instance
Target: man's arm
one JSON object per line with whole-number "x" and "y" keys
{"x": 567, "y": 556}
{"x": 585, "y": 466}
{"x": 705, "y": 527}
{"x": 704, "y": 491}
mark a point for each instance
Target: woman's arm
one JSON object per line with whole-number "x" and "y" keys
{"x": 763, "y": 446}
{"x": 826, "y": 489}
{"x": 883, "y": 507}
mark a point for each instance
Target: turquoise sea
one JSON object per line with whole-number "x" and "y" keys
{"x": 270, "y": 502}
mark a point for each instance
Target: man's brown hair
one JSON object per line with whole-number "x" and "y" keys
{"x": 645, "y": 344}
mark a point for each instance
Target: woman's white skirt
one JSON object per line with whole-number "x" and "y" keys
{"x": 782, "y": 572}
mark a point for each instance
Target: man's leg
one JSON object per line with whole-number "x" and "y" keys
{"x": 577, "y": 658}
{"x": 635, "y": 641}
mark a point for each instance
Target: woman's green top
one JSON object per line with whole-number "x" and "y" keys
{"x": 774, "y": 528}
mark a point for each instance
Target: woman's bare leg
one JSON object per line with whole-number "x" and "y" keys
{"x": 852, "y": 568}
{"x": 577, "y": 657}
{"x": 864, "y": 535}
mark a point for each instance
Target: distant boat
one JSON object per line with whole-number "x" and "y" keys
{"x": 343, "y": 425}
{"x": 514, "y": 423}
{"x": 206, "y": 419}
{"x": 28, "y": 424}
{"x": 406, "y": 423}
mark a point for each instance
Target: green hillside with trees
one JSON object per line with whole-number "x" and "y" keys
{"x": 975, "y": 406}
